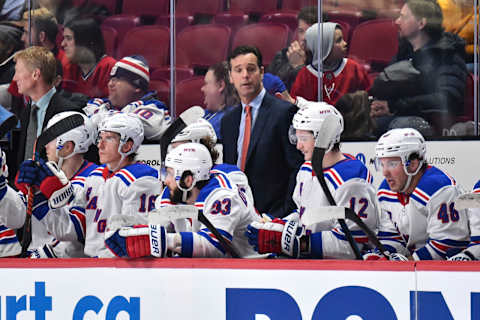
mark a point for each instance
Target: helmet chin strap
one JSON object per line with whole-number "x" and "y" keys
{"x": 185, "y": 190}
{"x": 60, "y": 158}
{"x": 410, "y": 174}
{"x": 123, "y": 155}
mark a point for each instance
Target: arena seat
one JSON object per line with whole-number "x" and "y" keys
{"x": 206, "y": 7}
{"x": 122, "y": 23}
{"x": 288, "y": 18}
{"x": 195, "y": 43}
{"x": 188, "y": 94}
{"x": 163, "y": 90}
{"x": 181, "y": 73}
{"x": 181, "y": 21}
{"x": 268, "y": 37}
{"x": 297, "y": 4}
{"x": 235, "y": 20}
{"x": 110, "y": 37}
{"x": 145, "y": 7}
{"x": 253, "y": 6}
{"x": 152, "y": 42}
{"x": 374, "y": 42}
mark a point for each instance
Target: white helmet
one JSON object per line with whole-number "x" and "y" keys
{"x": 200, "y": 129}
{"x": 311, "y": 116}
{"x": 401, "y": 142}
{"x": 193, "y": 157}
{"x": 82, "y": 136}
{"x": 128, "y": 126}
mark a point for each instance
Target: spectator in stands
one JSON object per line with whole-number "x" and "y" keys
{"x": 128, "y": 92}
{"x": 255, "y": 135}
{"x": 58, "y": 8}
{"x": 439, "y": 56}
{"x": 458, "y": 18}
{"x": 84, "y": 46}
{"x": 35, "y": 73}
{"x": 219, "y": 95}
{"x": 44, "y": 30}
{"x": 9, "y": 43}
{"x": 288, "y": 61}
{"x": 11, "y": 9}
{"x": 340, "y": 75}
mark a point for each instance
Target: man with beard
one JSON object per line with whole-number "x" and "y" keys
{"x": 190, "y": 181}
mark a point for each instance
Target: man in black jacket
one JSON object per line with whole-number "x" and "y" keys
{"x": 440, "y": 58}
{"x": 35, "y": 73}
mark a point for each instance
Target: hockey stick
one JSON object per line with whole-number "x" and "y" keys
{"x": 467, "y": 201}
{"x": 59, "y": 128}
{"x": 169, "y": 213}
{"x": 335, "y": 212}
{"x": 187, "y": 117}
{"x": 322, "y": 142}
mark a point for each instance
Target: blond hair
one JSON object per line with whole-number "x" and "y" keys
{"x": 39, "y": 58}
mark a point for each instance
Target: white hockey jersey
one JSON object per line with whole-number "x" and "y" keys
{"x": 62, "y": 249}
{"x": 12, "y": 204}
{"x": 153, "y": 114}
{"x": 131, "y": 190}
{"x": 228, "y": 209}
{"x": 426, "y": 223}
{"x": 474, "y": 224}
{"x": 350, "y": 183}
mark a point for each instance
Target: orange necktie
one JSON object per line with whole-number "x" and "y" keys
{"x": 246, "y": 136}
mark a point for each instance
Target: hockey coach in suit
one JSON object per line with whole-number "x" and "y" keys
{"x": 255, "y": 136}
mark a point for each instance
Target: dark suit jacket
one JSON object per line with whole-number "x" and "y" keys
{"x": 57, "y": 104}
{"x": 272, "y": 161}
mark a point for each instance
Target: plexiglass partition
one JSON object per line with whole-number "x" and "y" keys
{"x": 382, "y": 63}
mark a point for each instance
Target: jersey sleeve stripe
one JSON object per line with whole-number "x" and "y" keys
{"x": 187, "y": 244}
{"x": 77, "y": 216}
{"x": 214, "y": 242}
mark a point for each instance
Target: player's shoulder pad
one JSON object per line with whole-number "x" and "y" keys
{"x": 224, "y": 168}
{"x": 385, "y": 194}
{"x": 98, "y": 171}
{"x": 154, "y": 103}
{"x": 345, "y": 170}
{"x": 433, "y": 180}
{"x": 215, "y": 183}
{"x": 306, "y": 166}
{"x": 135, "y": 171}
{"x": 85, "y": 170}
{"x": 165, "y": 197}
{"x": 476, "y": 187}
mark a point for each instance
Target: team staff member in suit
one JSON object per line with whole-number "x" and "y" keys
{"x": 35, "y": 72}
{"x": 263, "y": 151}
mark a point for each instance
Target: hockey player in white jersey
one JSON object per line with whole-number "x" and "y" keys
{"x": 128, "y": 93}
{"x": 349, "y": 182}
{"x": 10, "y": 201}
{"x": 190, "y": 182}
{"x": 473, "y": 250}
{"x": 119, "y": 187}
{"x": 67, "y": 153}
{"x": 203, "y": 132}
{"x": 418, "y": 215}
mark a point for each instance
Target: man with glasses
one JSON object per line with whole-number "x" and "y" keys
{"x": 348, "y": 180}
{"x": 418, "y": 216}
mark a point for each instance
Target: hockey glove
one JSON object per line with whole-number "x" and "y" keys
{"x": 277, "y": 236}
{"x": 54, "y": 184}
{"x": 377, "y": 255}
{"x": 462, "y": 256}
{"x": 27, "y": 176}
{"x": 135, "y": 241}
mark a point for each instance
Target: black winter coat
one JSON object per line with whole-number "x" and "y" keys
{"x": 441, "y": 86}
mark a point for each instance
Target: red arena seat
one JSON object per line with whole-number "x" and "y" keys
{"x": 195, "y": 43}
{"x": 145, "y": 7}
{"x": 268, "y": 37}
{"x": 122, "y": 23}
{"x": 381, "y": 32}
{"x": 253, "y": 6}
{"x": 188, "y": 93}
{"x": 110, "y": 39}
{"x": 152, "y": 42}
